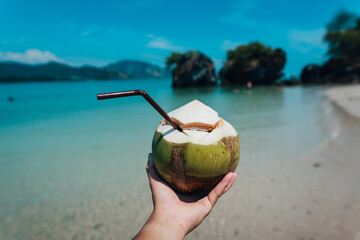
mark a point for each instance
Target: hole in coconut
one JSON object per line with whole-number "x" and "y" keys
{"x": 198, "y": 129}
{"x": 197, "y": 126}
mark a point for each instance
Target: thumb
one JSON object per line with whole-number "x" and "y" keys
{"x": 221, "y": 188}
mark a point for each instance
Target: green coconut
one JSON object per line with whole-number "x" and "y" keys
{"x": 201, "y": 155}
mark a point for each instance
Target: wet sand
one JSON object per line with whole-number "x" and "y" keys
{"x": 314, "y": 197}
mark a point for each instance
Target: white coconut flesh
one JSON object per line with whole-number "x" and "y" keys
{"x": 196, "y": 112}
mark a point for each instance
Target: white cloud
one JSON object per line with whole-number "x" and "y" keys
{"x": 227, "y": 44}
{"x": 304, "y": 41}
{"x": 162, "y": 43}
{"x": 30, "y": 56}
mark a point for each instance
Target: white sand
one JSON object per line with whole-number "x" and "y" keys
{"x": 315, "y": 197}
{"x": 348, "y": 98}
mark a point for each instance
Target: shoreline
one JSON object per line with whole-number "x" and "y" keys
{"x": 311, "y": 197}
{"x": 346, "y": 98}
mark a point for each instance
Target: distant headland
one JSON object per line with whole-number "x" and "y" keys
{"x": 53, "y": 71}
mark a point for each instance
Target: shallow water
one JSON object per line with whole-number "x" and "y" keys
{"x": 73, "y": 167}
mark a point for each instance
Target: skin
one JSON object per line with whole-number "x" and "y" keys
{"x": 176, "y": 214}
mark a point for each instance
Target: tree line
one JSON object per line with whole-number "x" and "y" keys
{"x": 257, "y": 64}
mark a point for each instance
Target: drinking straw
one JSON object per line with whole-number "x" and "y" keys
{"x": 103, "y": 96}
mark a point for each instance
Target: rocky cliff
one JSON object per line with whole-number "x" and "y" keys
{"x": 193, "y": 69}
{"x": 253, "y": 63}
{"x": 332, "y": 71}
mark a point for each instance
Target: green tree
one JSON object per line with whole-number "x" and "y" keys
{"x": 244, "y": 55}
{"x": 173, "y": 59}
{"x": 343, "y": 37}
{"x": 254, "y": 63}
{"x": 343, "y": 20}
{"x": 249, "y": 51}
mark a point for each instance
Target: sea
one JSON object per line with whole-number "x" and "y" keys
{"x": 73, "y": 167}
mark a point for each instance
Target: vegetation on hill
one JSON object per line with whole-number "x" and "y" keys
{"x": 343, "y": 37}
{"x": 52, "y": 71}
{"x": 343, "y": 40}
{"x": 173, "y": 59}
{"x": 253, "y": 63}
{"x": 139, "y": 69}
{"x": 190, "y": 69}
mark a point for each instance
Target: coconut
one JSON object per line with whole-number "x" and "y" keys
{"x": 201, "y": 155}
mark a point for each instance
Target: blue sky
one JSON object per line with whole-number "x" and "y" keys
{"x": 100, "y": 32}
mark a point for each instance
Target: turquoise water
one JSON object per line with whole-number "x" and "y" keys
{"x": 68, "y": 161}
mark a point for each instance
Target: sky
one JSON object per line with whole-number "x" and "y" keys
{"x": 97, "y": 33}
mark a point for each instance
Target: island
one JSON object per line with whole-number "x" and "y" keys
{"x": 53, "y": 71}
{"x": 253, "y": 64}
{"x": 192, "y": 69}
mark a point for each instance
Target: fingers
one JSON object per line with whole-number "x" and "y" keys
{"x": 151, "y": 171}
{"x": 149, "y": 162}
{"x": 154, "y": 179}
{"x": 231, "y": 183}
{"x": 221, "y": 188}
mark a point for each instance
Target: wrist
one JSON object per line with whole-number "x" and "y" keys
{"x": 166, "y": 226}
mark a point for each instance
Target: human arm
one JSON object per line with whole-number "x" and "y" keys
{"x": 176, "y": 214}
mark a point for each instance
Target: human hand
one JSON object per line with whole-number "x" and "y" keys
{"x": 176, "y": 214}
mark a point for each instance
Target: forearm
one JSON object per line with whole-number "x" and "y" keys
{"x": 159, "y": 228}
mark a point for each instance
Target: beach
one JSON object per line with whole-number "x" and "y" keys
{"x": 313, "y": 197}
{"x": 74, "y": 168}
{"x": 280, "y": 79}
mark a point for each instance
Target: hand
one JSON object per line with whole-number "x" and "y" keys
{"x": 176, "y": 214}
